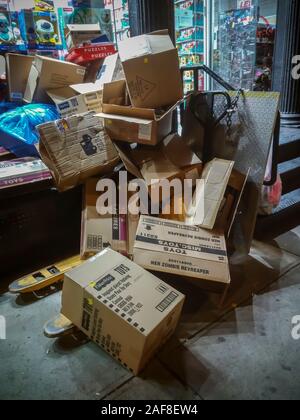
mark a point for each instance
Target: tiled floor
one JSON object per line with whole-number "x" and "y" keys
{"x": 243, "y": 351}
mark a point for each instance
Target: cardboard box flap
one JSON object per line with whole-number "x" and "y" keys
{"x": 83, "y": 88}
{"x": 61, "y": 94}
{"x": 114, "y": 103}
{"x": 143, "y": 45}
{"x": 175, "y": 149}
{"x": 128, "y": 163}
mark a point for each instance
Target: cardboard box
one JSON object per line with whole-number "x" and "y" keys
{"x": 17, "y": 80}
{"x": 124, "y": 309}
{"x": 100, "y": 232}
{"x": 84, "y": 97}
{"x": 172, "y": 159}
{"x": 216, "y": 175}
{"x": 131, "y": 124}
{"x": 69, "y": 103}
{"x": 47, "y": 73}
{"x": 151, "y": 67}
{"x": 76, "y": 148}
{"x": 79, "y": 34}
{"x": 16, "y": 173}
{"x": 180, "y": 249}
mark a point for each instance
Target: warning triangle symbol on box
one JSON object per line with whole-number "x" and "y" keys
{"x": 144, "y": 87}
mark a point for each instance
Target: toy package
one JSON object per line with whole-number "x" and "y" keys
{"x": 10, "y": 33}
{"x": 83, "y": 16}
{"x": 41, "y": 30}
{"x": 44, "y": 6}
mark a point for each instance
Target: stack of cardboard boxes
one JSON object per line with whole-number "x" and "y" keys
{"x": 125, "y": 119}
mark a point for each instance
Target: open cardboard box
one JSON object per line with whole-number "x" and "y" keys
{"x": 46, "y": 74}
{"x": 84, "y": 97}
{"x": 128, "y": 123}
{"x": 99, "y": 232}
{"x": 171, "y": 159}
{"x": 151, "y": 67}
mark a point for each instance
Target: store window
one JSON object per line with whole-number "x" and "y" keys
{"x": 243, "y": 37}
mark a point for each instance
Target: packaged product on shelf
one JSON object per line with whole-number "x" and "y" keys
{"x": 77, "y": 148}
{"x": 40, "y": 29}
{"x": 127, "y": 311}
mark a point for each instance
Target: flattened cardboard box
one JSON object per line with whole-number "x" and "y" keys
{"x": 47, "y": 73}
{"x": 18, "y": 69}
{"x": 132, "y": 124}
{"x": 216, "y": 175}
{"x": 99, "y": 232}
{"x": 177, "y": 248}
{"x": 151, "y": 67}
{"x": 76, "y": 148}
{"x": 124, "y": 309}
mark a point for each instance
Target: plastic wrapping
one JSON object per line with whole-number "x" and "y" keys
{"x": 270, "y": 196}
{"x": 18, "y": 132}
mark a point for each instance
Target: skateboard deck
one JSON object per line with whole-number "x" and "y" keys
{"x": 58, "y": 327}
{"x": 44, "y": 278}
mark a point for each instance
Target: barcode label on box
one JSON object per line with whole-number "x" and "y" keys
{"x": 145, "y": 132}
{"x": 167, "y": 301}
{"x": 94, "y": 243}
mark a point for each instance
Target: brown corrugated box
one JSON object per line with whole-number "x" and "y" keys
{"x": 99, "y": 232}
{"x": 171, "y": 159}
{"x": 151, "y": 67}
{"x": 177, "y": 248}
{"x": 18, "y": 69}
{"x": 84, "y": 97}
{"x": 127, "y": 311}
{"x": 78, "y": 34}
{"x": 47, "y": 73}
{"x": 77, "y": 148}
{"x": 131, "y": 124}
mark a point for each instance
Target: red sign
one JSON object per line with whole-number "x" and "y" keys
{"x": 245, "y": 4}
{"x": 91, "y": 52}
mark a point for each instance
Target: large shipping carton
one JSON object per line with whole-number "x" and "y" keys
{"x": 77, "y": 148}
{"x": 47, "y": 73}
{"x": 151, "y": 67}
{"x": 131, "y": 124}
{"x": 99, "y": 232}
{"x": 124, "y": 309}
{"x": 18, "y": 69}
{"x": 180, "y": 249}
